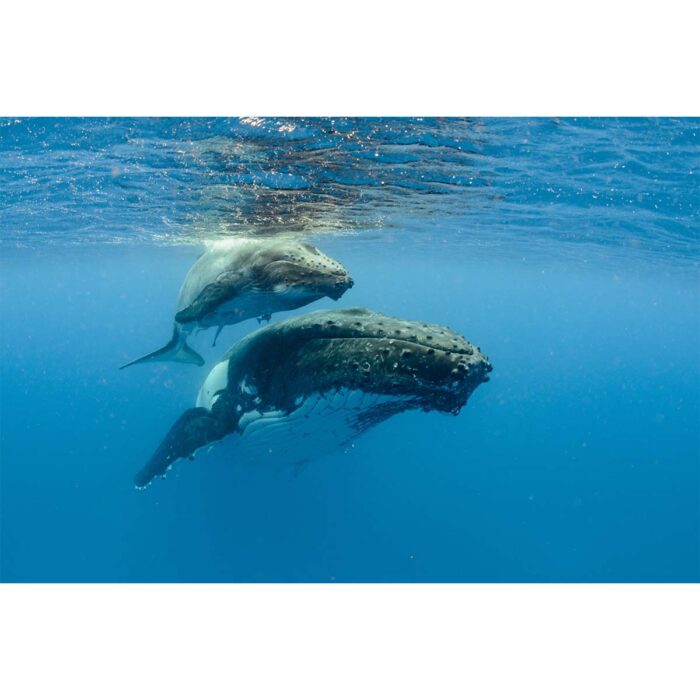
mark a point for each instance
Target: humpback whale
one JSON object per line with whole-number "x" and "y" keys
{"x": 299, "y": 387}
{"x": 247, "y": 278}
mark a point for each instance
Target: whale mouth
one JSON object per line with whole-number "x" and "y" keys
{"x": 465, "y": 360}
{"x": 391, "y": 361}
{"x": 432, "y": 339}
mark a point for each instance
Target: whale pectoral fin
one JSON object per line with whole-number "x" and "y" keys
{"x": 195, "y": 428}
{"x": 227, "y": 286}
{"x": 177, "y": 350}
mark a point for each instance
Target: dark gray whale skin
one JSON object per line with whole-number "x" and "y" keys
{"x": 418, "y": 365}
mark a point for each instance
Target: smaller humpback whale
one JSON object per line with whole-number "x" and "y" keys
{"x": 247, "y": 278}
{"x": 306, "y": 385}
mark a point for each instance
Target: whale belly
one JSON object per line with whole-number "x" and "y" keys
{"x": 255, "y": 304}
{"x": 317, "y": 426}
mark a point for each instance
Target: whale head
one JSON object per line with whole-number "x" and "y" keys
{"x": 300, "y": 269}
{"x": 424, "y": 365}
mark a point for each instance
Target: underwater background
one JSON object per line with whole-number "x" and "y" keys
{"x": 566, "y": 249}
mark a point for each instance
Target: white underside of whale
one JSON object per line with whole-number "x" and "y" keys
{"x": 216, "y": 381}
{"x": 319, "y": 425}
{"x": 256, "y": 304}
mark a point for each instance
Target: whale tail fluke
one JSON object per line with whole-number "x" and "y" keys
{"x": 177, "y": 350}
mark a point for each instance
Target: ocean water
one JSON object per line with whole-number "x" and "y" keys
{"x": 567, "y": 250}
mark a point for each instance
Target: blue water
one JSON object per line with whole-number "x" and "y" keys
{"x": 566, "y": 249}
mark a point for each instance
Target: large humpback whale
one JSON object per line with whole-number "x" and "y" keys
{"x": 298, "y": 387}
{"x": 248, "y": 278}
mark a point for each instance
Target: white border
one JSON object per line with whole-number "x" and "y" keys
{"x": 359, "y": 58}
{"x": 371, "y": 641}
{"x": 366, "y": 57}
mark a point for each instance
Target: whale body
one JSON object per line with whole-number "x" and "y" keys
{"x": 247, "y": 278}
{"x": 300, "y": 387}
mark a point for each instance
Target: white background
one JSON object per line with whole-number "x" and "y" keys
{"x": 365, "y": 57}
{"x": 359, "y": 58}
{"x": 365, "y": 641}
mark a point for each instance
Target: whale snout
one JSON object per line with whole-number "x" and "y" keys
{"x": 340, "y": 286}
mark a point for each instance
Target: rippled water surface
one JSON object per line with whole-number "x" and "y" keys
{"x": 619, "y": 183}
{"x": 567, "y": 249}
